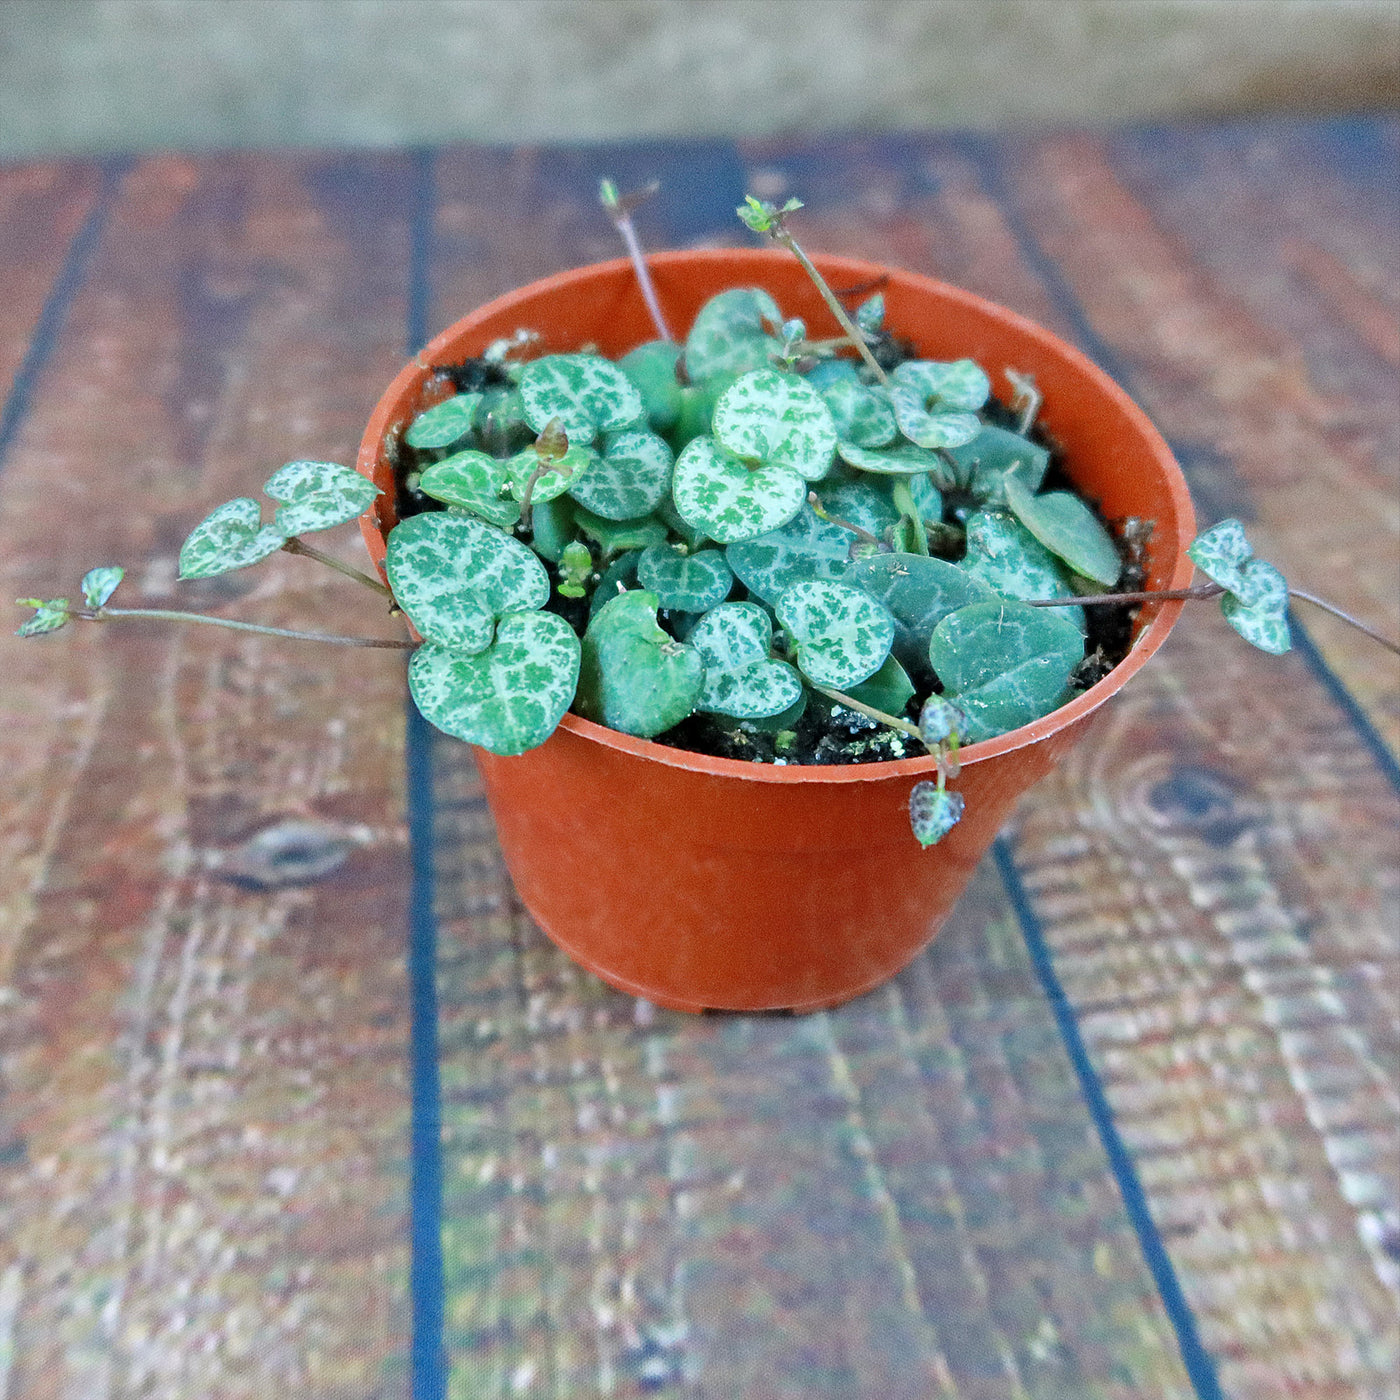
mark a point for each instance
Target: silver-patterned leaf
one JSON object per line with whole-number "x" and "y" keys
{"x": 735, "y": 641}
{"x": 936, "y": 403}
{"x": 454, "y": 576}
{"x": 728, "y": 336}
{"x": 318, "y": 495}
{"x": 843, "y": 635}
{"x": 1005, "y": 556}
{"x": 984, "y": 462}
{"x": 1221, "y": 552}
{"x": 806, "y": 547}
{"x": 933, "y": 812}
{"x": 49, "y": 615}
{"x": 559, "y": 474}
{"x": 507, "y": 698}
{"x": 717, "y": 492}
{"x": 100, "y": 584}
{"x": 631, "y": 478}
{"x": 779, "y": 420}
{"x": 1259, "y": 612}
{"x": 898, "y": 459}
{"x": 683, "y": 581}
{"x": 862, "y": 413}
{"x": 445, "y": 424}
{"x": 588, "y": 394}
{"x": 231, "y": 536}
{"x": 472, "y": 481}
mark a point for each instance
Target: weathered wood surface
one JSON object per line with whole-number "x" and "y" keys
{"x": 204, "y": 1129}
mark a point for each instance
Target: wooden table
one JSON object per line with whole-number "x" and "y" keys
{"x": 296, "y": 1100}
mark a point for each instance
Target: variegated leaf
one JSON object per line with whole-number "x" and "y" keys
{"x": 445, "y": 424}
{"x": 631, "y": 478}
{"x": 318, "y": 495}
{"x": 231, "y": 536}
{"x": 683, "y": 581}
{"x": 735, "y": 641}
{"x": 717, "y": 492}
{"x": 843, "y": 635}
{"x": 588, "y": 394}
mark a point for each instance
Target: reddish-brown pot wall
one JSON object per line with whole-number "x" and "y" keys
{"x": 704, "y": 882}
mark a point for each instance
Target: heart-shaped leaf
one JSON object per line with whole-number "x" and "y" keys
{"x": 231, "y": 536}
{"x": 899, "y": 459}
{"x": 1004, "y": 664}
{"x": 1262, "y": 620}
{"x": 634, "y": 677}
{"x": 933, "y": 812}
{"x": 1005, "y": 556}
{"x": 728, "y": 335}
{"x": 866, "y": 503}
{"x": 889, "y": 689}
{"x": 613, "y": 536}
{"x": 935, "y": 403}
{"x": 588, "y": 394}
{"x": 49, "y": 616}
{"x": 779, "y": 420}
{"x": 843, "y": 635}
{"x": 1067, "y": 528}
{"x": 474, "y": 482}
{"x": 1221, "y": 552}
{"x": 683, "y": 581}
{"x": 807, "y": 547}
{"x": 919, "y": 593}
{"x": 735, "y": 641}
{"x": 559, "y": 474}
{"x": 717, "y": 492}
{"x": 652, "y": 368}
{"x": 862, "y": 413}
{"x": 454, "y": 576}
{"x": 318, "y": 495}
{"x": 984, "y": 462}
{"x": 100, "y": 584}
{"x": 617, "y": 578}
{"x": 445, "y": 424}
{"x": 940, "y": 720}
{"x": 631, "y": 478}
{"x": 507, "y": 698}
{"x": 551, "y": 527}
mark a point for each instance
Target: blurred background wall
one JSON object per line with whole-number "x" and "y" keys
{"x": 132, "y": 75}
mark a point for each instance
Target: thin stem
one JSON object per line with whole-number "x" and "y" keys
{"x": 859, "y": 531}
{"x": 870, "y": 712}
{"x": 857, "y": 336}
{"x": 1345, "y": 617}
{"x": 544, "y": 466}
{"x": 170, "y": 615}
{"x": 620, "y": 211}
{"x": 296, "y": 545}
{"x": 1157, "y": 595}
{"x": 1027, "y": 396}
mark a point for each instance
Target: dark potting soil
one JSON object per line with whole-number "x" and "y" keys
{"x": 827, "y": 732}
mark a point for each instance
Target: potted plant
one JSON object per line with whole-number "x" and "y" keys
{"x": 792, "y": 540}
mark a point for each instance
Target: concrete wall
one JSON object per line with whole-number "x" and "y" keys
{"x": 98, "y": 75}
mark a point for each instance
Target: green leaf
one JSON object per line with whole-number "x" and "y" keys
{"x": 575, "y": 567}
{"x": 614, "y": 536}
{"x": 635, "y": 678}
{"x": 936, "y": 403}
{"x": 984, "y": 462}
{"x": 933, "y": 812}
{"x": 862, "y": 414}
{"x": 100, "y": 584}
{"x": 899, "y": 459}
{"x": 318, "y": 495}
{"x": 889, "y": 689}
{"x": 843, "y": 635}
{"x": 631, "y": 478}
{"x": 870, "y": 314}
{"x": 561, "y": 474}
{"x": 779, "y": 420}
{"x": 617, "y": 578}
{"x": 728, "y": 335}
{"x": 864, "y": 502}
{"x": 1005, "y": 556}
{"x": 685, "y": 582}
{"x": 49, "y": 616}
{"x": 1004, "y": 664}
{"x": 501, "y": 428}
{"x": 231, "y": 536}
{"x": 1067, "y": 528}
{"x": 735, "y": 641}
{"x": 454, "y": 576}
{"x": 589, "y": 394}
{"x": 507, "y": 698}
{"x": 445, "y": 424}
{"x": 474, "y": 482}
{"x": 940, "y": 720}
{"x": 919, "y": 593}
{"x": 807, "y": 547}
{"x": 1262, "y": 620}
{"x": 1221, "y": 552}
{"x": 717, "y": 492}
{"x": 551, "y": 527}
{"x": 652, "y": 368}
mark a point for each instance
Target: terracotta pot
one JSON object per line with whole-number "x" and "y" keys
{"x": 702, "y": 882}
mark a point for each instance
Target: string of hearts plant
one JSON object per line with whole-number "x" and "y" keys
{"x": 752, "y": 530}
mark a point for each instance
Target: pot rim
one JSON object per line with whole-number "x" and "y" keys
{"x": 1144, "y": 645}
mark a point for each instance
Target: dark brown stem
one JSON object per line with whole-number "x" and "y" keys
{"x": 525, "y": 495}
{"x": 1156, "y": 595}
{"x": 858, "y": 531}
{"x": 296, "y": 545}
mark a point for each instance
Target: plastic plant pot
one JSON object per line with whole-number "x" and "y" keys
{"x": 710, "y": 883}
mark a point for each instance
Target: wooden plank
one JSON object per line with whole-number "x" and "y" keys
{"x": 204, "y": 1191}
